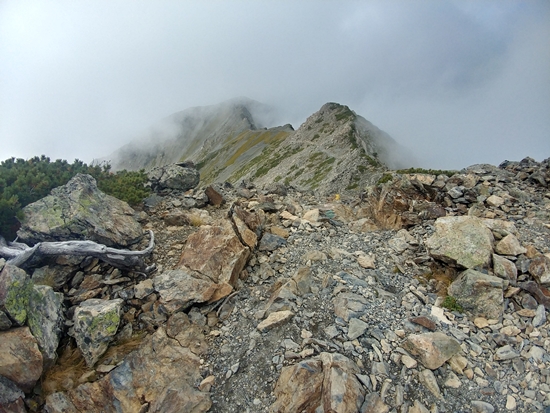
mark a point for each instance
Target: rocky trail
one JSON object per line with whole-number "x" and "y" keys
{"x": 424, "y": 294}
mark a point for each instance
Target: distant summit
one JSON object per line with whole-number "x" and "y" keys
{"x": 333, "y": 150}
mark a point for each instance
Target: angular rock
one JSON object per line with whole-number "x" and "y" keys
{"x": 144, "y": 288}
{"x": 11, "y": 397}
{"x": 326, "y": 383}
{"x": 174, "y": 176}
{"x": 495, "y": 201}
{"x": 214, "y": 197}
{"x": 539, "y": 268}
{"x": 186, "y": 333}
{"x": 366, "y": 261}
{"x": 374, "y": 404}
{"x": 506, "y": 353}
{"x": 80, "y": 211}
{"x": 275, "y": 319}
{"x": 271, "y": 242}
{"x": 505, "y": 269}
{"x": 5, "y": 322}
{"x": 433, "y": 349}
{"x": 20, "y": 358}
{"x": 160, "y": 372}
{"x": 356, "y": 328}
{"x": 15, "y": 288}
{"x": 349, "y": 305}
{"x": 479, "y": 406}
{"x": 179, "y": 289}
{"x": 216, "y": 253}
{"x": 509, "y": 245}
{"x": 462, "y": 241}
{"x": 95, "y": 325}
{"x": 55, "y": 276}
{"x": 479, "y": 294}
{"x": 312, "y": 215}
{"x": 248, "y": 237}
{"x": 427, "y": 378}
{"x": 45, "y": 320}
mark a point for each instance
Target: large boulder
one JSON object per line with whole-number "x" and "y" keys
{"x": 20, "y": 358}
{"x": 95, "y": 325}
{"x": 174, "y": 176}
{"x": 80, "y": 211}
{"x": 327, "y": 383}
{"x": 462, "y": 241}
{"x": 217, "y": 254}
{"x": 479, "y": 294}
{"x": 161, "y": 376}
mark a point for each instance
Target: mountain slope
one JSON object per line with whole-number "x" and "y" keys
{"x": 332, "y": 151}
{"x": 189, "y": 134}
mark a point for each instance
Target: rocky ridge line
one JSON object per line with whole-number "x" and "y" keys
{"x": 342, "y": 304}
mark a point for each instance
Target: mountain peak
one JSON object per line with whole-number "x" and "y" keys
{"x": 333, "y": 150}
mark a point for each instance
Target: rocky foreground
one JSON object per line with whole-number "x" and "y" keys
{"x": 425, "y": 293}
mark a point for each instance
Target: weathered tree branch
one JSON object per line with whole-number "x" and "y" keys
{"x": 18, "y": 253}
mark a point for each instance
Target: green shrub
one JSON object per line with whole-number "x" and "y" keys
{"x": 385, "y": 178}
{"x": 23, "y": 182}
{"x": 426, "y": 171}
{"x": 451, "y": 304}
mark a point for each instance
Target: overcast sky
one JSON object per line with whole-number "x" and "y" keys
{"x": 458, "y": 82}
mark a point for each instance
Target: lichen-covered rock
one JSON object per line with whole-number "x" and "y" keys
{"x": 15, "y": 288}
{"x": 433, "y": 349}
{"x": 95, "y": 325}
{"x": 479, "y": 294}
{"x": 463, "y": 241}
{"x": 79, "y": 210}
{"x": 327, "y": 383}
{"x": 45, "y": 320}
{"x": 161, "y": 376}
{"x": 20, "y": 358}
{"x": 174, "y": 176}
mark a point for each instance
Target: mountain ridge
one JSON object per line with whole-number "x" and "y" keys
{"x": 229, "y": 142}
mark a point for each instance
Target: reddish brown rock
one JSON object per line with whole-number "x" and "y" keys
{"x": 327, "y": 383}
{"x": 217, "y": 255}
{"x": 424, "y": 322}
{"x": 214, "y": 197}
{"x": 161, "y": 373}
{"x": 20, "y": 358}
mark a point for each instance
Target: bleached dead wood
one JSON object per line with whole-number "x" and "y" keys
{"x": 18, "y": 253}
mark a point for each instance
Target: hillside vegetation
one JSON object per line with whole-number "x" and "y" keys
{"x": 25, "y": 181}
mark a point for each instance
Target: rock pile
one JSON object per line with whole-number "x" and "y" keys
{"x": 427, "y": 293}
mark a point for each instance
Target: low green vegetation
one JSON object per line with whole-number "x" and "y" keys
{"x": 426, "y": 171}
{"x": 385, "y": 178}
{"x": 451, "y": 304}
{"x": 23, "y": 182}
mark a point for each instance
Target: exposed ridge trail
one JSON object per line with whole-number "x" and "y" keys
{"x": 279, "y": 300}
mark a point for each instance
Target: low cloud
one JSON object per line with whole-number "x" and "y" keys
{"x": 458, "y": 82}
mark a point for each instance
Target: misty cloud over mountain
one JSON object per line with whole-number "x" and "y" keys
{"x": 458, "y": 82}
